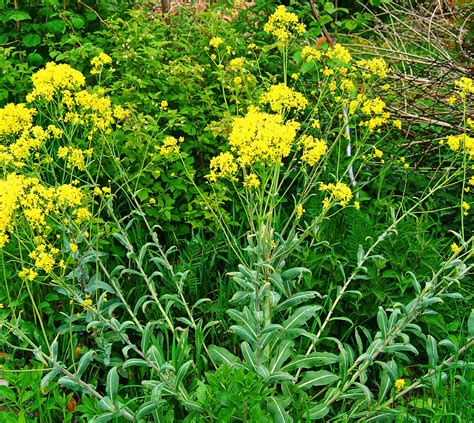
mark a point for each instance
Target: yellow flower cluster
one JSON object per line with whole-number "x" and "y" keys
{"x": 284, "y": 25}
{"x": 282, "y": 98}
{"x": 52, "y": 78}
{"x": 310, "y": 53}
{"x": 461, "y": 142}
{"x": 375, "y": 67}
{"x": 466, "y": 86}
{"x": 27, "y": 200}
{"x": 15, "y": 119}
{"x": 216, "y": 42}
{"x": 260, "y": 137}
{"x": 170, "y": 147}
{"x": 19, "y": 137}
{"x": 99, "y": 62}
{"x": 222, "y": 166}
{"x": 340, "y": 53}
{"x": 251, "y": 181}
{"x": 313, "y": 149}
{"x": 75, "y": 156}
{"x": 376, "y": 109}
{"x": 236, "y": 64}
{"x": 299, "y": 210}
{"x": 339, "y": 192}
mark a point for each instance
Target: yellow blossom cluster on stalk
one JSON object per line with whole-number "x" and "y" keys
{"x": 99, "y": 62}
{"x": 262, "y": 138}
{"x": 215, "y": 42}
{"x": 169, "y": 147}
{"x": 340, "y": 53}
{"x": 222, "y": 166}
{"x": 465, "y": 86}
{"x": 282, "y": 98}
{"x": 310, "y": 53}
{"x": 53, "y": 78}
{"x": 313, "y": 149}
{"x": 26, "y": 202}
{"x": 251, "y": 181}
{"x": 236, "y": 64}
{"x": 338, "y": 192}
{"x": 374, "y": 67}
{"x": 375, "y": 108}
{"x": 461, "y": 142}
{"x": 284, "y": 25}
{"x": 75, "y": 157}
{"x": 19, "y": 137}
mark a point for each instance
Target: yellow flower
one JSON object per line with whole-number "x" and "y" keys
{"x": 399, "y": 384}
{"x": 313, "y": 149}
{"x": 377, "y": 67}
{"x": 455, "y": 248}
{"x": 299, "y": 210}
{"x": 340, "y": 192}
{"x": 263, "y": 138}
{"x": 99, "y": 61}
{"x": 282, "y": 98}
{"x": 73, "y": 247}
{"x": 222, "y": 166}
{"x": 52, "y": 78}
{"x": 284, "y": 25}
{"x": 251, "y": 181}
{"x": 164, "y": 105}
{"x": 310, "y": 53}
{"x": 397, "y": 123}
{"x": 216, "y": 42}
{"x": 356, "y": 205}
{"x": 465, "y": 207}
{"x": 236, "y": 64}
{"x": 170, "y": 147}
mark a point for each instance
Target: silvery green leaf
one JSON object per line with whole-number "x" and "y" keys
{"x": 284, "y": 351}
{"x": 249, "y": 354}
{"x": 300, "y": 316}
{"x": 295, "y": 272}
{"x": 263, "y": 372}
{"x": 295, "y": 299}
{"x": 280, "y": 377}
{"x": 220, "y": 355}
{"x": 470, "y": 325}
{"x": 135, "y": 362}
{"x": 312, "y": 360}
{"x": 318, "y": 412}
{"x": 449, "y": 344}
{"x": 382, "y": 322}
{"x": 182, "y": 372}
{"x": 277, "y": 411}
{"x": 46, "y": 380}
{"x": 432, "y": 350}
{"x": 103, "y": 418}
{"x": 84, "y": 362}
{"x": 106, "y": 404}
{"x": 148, "y": 408}
{"x": 244, "y": 334}
{"x": 112, "y": 383}
{"x": 319, "y": 378}
{"x": 366, "y": 391}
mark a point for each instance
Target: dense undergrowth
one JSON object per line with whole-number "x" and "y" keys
{"x": 248, "y": 212}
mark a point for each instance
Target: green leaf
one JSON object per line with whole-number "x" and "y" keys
{"x": 148, "y": 408}
{"x": 46, "y": 380}
{"x": 382, "y": 322}
{"x": 319, "y": 378}
{"x": 112, "y": 383}
{"x": 432, "y": 350}
{"x": 31, "y": 40}
{"x": 296, "y": 299}
{"x": 300, "y": 317}
{"x": 103, "y": 418}
{"x": 318, "y": 412}
{"x": 84, "y": 362}
{"x": 17, "y": 15}
{"x": 106, "y": 404}
{"x": 284, "y": 351}
{"x": 295, "y": 272}
{"x": 470, "y": 325}
{"x": 248, "y": 354}
{"x": 245, "y": 334}
{"x": 182, "y": 372}
{"x": 277, "y": 411}
{"x": 220, "y": 355}
{"x": 135, "y": 362}
{"x": 314, "y": 359}
{"x": 56, "y": 26}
